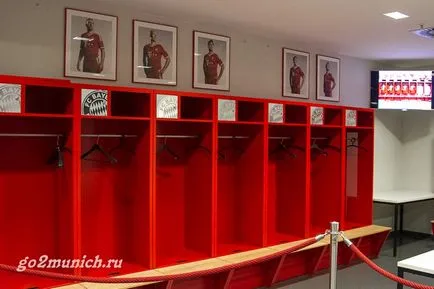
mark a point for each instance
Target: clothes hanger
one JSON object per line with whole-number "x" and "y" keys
{"x": 284, "y": 148}
{"x": 97, "y": 147}
{"x": 353, "y": 141}
{"x": 316, "y": 147}
{"x": 57, "y": 156}
{"x": 323, "y": 151}
{"x": 220, "y": 155}
{"x": 165, "y": 147}
{"x": 122, "y": 146}
{"x": 234, "y": 147}
{"x": 200, "y": 146}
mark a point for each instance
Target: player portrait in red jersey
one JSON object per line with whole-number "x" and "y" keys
{"x": 154, "y": 53}
{"x": 296, "y": 77}
{"x": 329, "y": 81}
{"x": 213, "y": 66}
{"x": 328, "y": 74}
{"x": 211, "y": 61}
{"x": 91, "y": 51}
{"x": 295, "y": 73}
{"x": 90, "y": 45}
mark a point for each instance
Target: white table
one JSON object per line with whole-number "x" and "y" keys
{"x": 422, "y": 264}
{"x": 399, "y": 198}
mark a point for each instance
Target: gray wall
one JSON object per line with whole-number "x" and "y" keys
{"x": 31, "y": 43}
{"x": 417, "y": 166}
{"x": 388, "y": 134}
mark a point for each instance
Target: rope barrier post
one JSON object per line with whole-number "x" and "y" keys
{"x": 334, "y": 237}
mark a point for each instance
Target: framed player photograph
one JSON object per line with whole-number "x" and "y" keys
{"x": 295, "y": 82}
{"x": 211, "y": 61}
{"x": 90, "y": 45}
{"x": 328, "y": 78}
{"x": 154, "y": 53}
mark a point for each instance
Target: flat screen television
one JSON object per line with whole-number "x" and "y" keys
{"x": 402, "y": 89}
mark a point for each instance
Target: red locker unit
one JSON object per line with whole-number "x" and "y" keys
{"x": 359, "y": 161}
{"x": 114, "y": 199}
{"x": 37, "y": 187}
{"x": 326, "y": 170}
{"x": 241, "y": 149}
{"x": 287, "y": 155}
{"x": 184, "y": 169}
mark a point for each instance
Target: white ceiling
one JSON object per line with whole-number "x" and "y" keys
{"x": 348, "y": 27}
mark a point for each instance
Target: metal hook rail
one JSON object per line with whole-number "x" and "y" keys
{"x": 176, "y": 136}
{"x": 232, "y": 137}
{"x": 279, "y": 137}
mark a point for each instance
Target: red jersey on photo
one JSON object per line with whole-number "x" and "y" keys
{"x": 397, "y": 88}
{"x": 383, "y": 89}
{"x": 328, "y": 80}
{"x": 296, "y": 75}
{"x": 91, "y": 46}
{"x": 212, "y": 61}
{"x": 390, "y": 88}
{"x": 412, "y": 89}
{"x": 152, "y": 59}
{"x": 404, "y": 89}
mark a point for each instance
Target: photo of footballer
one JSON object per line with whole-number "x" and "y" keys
{"x": 295, "y": 73}
{"x": 155, "y": 53}
{"x": 90, "y": 45}
{"x": 328, "y": 78}
{"x": 211, "y": 54}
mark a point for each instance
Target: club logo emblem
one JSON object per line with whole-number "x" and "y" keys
{"x": 167, "y": 106}
{"x": 275, "y": 112}
{"x": 226, "y": 109}
{"x": 351, "y": 117}
{"x": 94, "y": 102}
{"x": 10, "y": 98}
{"x": 317, "y": 115}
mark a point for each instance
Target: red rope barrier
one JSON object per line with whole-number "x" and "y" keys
{"x": 383, "y": 272}
{"x": 188, "y": 275}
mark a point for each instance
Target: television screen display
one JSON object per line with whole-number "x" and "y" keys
{"x": 391, "y": 89}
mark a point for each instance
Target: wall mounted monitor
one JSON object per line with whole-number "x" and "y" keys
{"x": 402, "y": 89}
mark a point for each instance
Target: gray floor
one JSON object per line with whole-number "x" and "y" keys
{"x": 363, "y": 277}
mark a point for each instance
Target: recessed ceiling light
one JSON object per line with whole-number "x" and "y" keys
{"x": 396, "y": 15}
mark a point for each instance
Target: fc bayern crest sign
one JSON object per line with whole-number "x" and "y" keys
{"x": 94, "y": 102}
{"x": 10, "y": 98}
{"x": 350, "y": 117}
{"x": 275, "y": 112}
{"x": 167, "y": 106}
{"x": 317, "y": 115}
{"x": 226, "y": 109}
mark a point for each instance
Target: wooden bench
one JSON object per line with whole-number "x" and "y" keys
{"x": 307, "y": 261}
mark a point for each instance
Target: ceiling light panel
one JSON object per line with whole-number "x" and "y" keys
{"x": 396, "y": 15}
